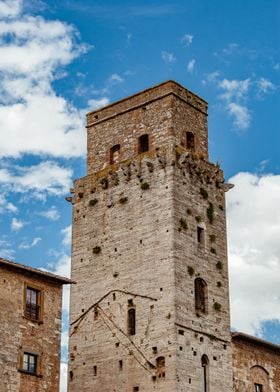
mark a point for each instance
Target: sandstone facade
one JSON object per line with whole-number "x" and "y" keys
{"x": 30, "y": 328}
{"x": 150, "y": 310}
{"x": 256, "y": 364}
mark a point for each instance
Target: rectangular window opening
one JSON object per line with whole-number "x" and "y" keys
{"x": 200, "y": 235}
{"x": 29, "y": 363}
{"x": 32, "y": 303}
{"x": 258, "y": 388}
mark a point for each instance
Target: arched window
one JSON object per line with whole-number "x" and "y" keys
{"x": 259, "y": 378}
{"x": 160, "y": 364}
{"x": 115, "y": 154}
{"x": 190, "y": 141}
{"x": 131, "y": 321}
{"x": 143, "y": 143}
{"x": 204, "y": 373}
{"x": 200, "y": 289}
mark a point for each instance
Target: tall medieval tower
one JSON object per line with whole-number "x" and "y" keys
{"x": 150, "y": 310}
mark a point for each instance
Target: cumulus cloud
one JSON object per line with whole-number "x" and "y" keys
{"x": 16, "y": 224}
{"x": 254, "y": 250}
{"x": 168, "y": 57}
{"x": 10, "y": 8}
{"x": 51, "y": 214}
{"x": 28, "y": 245}
{"x": 241, "y": 115}
{"x": 235, "y": 94}
{"x": 187, "y": 39}
{"x": 190, "y": 66}
{"x": 45, "y": 178}
{"x": 33, "y": 51}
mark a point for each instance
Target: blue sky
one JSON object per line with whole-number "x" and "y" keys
{"x": 60, "y": 59}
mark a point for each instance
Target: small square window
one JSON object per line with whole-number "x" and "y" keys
{"x": 33, "y": 303}
{"x": 143, "y": 143}
{"x": 29, "y": 363}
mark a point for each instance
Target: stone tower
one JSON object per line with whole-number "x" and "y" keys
{"x": 150, "y": 310}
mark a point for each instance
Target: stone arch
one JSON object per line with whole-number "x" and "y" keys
{"x": 259, "y": 378}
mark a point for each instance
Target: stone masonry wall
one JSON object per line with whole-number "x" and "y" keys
{"x": 18, "y": 334}
{"x": 255, "y": 363}
{"x": 199, "y": 202}
{"x": 128, "y": 251}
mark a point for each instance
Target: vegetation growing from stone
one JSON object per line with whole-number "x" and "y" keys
{"x": 183, "y": 224}
{"x": 212, "y": 237}
{"x": 204, "y": 193}
{"x": 145, "y": 186}
{"x": 190, "y": 270}
{"x": 217, "y": 306}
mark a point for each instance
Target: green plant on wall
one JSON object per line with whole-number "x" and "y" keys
{"x": 145, "y": 186}
{"x": 217, "y": 306}
{"x": 190, "y": 270}
{"x": 183, "y": 224}
{"x": 203, "y": 193}
{"x": 123, "y": 200}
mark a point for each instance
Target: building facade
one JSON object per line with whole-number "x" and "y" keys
{"x": 150, "y": 310}
{"x": 30, "y": 328}
{"x": 256, "y": 364}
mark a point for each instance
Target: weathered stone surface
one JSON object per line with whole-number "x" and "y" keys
{"x": 19, "y": 334}
{"x": 136, "y": 245}
{"x": 255, "y": 362}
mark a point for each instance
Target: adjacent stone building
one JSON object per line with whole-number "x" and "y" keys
{"x": 30, "y": 328}
{"x": 150, "y": 310}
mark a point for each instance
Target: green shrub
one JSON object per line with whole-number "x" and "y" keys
{"x": 145, "y": 186}
{"x": 96, "y": 250}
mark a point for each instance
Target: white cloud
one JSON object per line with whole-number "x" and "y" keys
{"x": 10, "y": 8}
{"x": 190, "y": 66}
{"x": 168, "y": 57}
{"x": 115, "y": 78}
{"x": 234, "y": 89}
{"x": 28, "y": 245}
{"x": 265, "y": 86}
{"x": 63, "y": 377}
{"x": 6, "y": 206}
{"x": 94, "y": 104}
{"x": 254, "y": 250}
{"x": 16, "y": 224}
{"x": 32, "y": 52}
{"x": 241, "y": 115}
{"x": 51, "y": 214}
{"x": 66, "y": 233}
{"x": 187, "y": 39}
{"x": 42, "y": 179}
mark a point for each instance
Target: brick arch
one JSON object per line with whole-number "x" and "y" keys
{"x": 259, "y": 375}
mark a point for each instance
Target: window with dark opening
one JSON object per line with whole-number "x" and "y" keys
{"x": 143, "y": 143}
{"x": 115, "y": 154}
{"x": 29, "y": 363}
{"x": 131, "y": 321}
{"x": 190, "y": 141}
{"x": 200, "y": 288}
{"x": 204, "y": 373}
{"x": 95, "y": 370}
{"x": 200, "y": 235}
{"x": 120, "y": 365}
{"x": 258, "y": 388}
{"x": 32, "y": 303}
{"x": 160, "y": 365}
